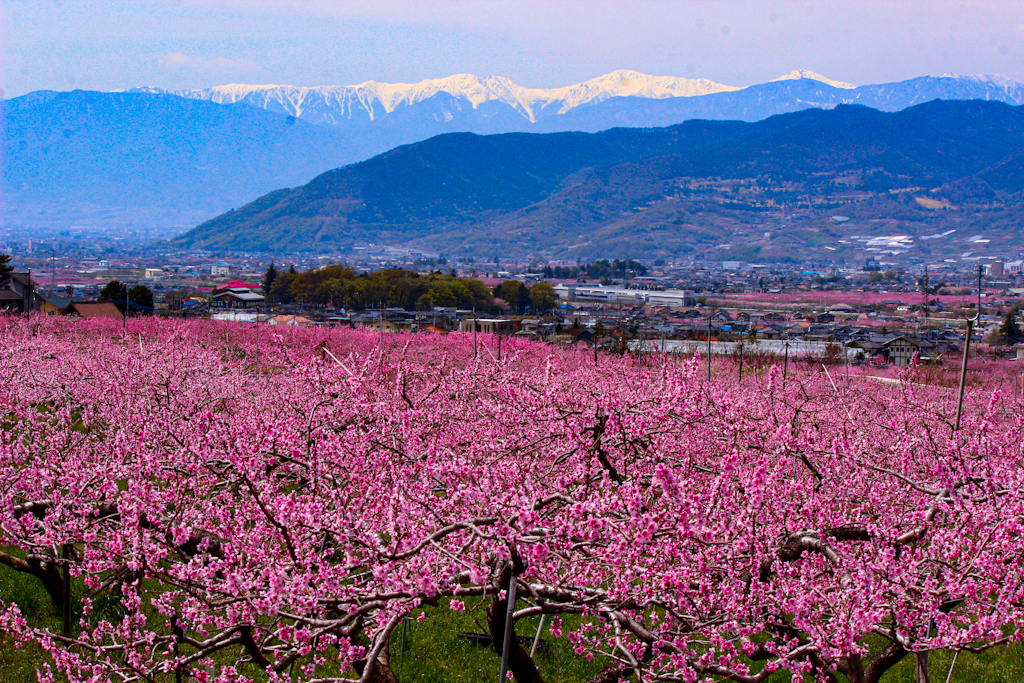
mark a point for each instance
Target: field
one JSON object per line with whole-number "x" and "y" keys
{"x": 830, "y": 298}
{"x": 215, "y": 503}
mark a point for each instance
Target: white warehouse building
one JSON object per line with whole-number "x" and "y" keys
{"x": 621, "y": 295}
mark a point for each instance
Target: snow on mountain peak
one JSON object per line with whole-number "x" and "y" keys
{"x": 804, "y": 73}
{"x": 372, "y": 97}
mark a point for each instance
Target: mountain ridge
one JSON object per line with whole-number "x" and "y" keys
{"x": 621, "y": 83}
{"x": 658, "y": 191}
{"x": 161, "y": 162}
{"x": 339, "y": 104}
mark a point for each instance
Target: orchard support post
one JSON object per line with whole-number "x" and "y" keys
{"x": 951, "y": 665}
{"x": 405, "y": 634}
{"x": 509, "y": 626}
{"x": 66, "y": 598}
{"x": 536, "y": 638}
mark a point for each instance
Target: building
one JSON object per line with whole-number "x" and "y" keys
{"x": 488, "y": 325}
{"x": 621, "y": 295}
{"x": 54, "y": 305}
{"x": 17, "y": 293}
{"x": 98, "y": 309}
{"x": 900, "y": 350}
{"x": 236, "y": 297}
{"x": 290, "y": 320}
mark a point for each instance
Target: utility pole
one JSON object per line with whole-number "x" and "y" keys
{"x": 979, "y": 291}
{"x": 709, "y": 348}
{"x": 785, "y": 366}
{"x": 639, "y": 353}
{"x": 963, "y": 372}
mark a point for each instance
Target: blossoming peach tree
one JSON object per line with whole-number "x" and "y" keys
{"x": 232, "y": 521}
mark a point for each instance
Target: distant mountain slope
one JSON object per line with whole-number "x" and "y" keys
{"x": 530, "y": 193}
{"x": 86, "y": 157}
{"x": 163, "y": 162}
{"x": 782, "y": 96}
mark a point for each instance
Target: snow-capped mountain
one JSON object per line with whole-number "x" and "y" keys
{"x": 496, "y": 104}
{"x": 164, "y": 158}
{"x": 337, "y": 103}
{"x": 804, "y": 73}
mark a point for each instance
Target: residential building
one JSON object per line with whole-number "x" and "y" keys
{"x": 17, "y": 293}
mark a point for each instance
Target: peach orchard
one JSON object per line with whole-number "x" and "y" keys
{"x": 276, "y": 516}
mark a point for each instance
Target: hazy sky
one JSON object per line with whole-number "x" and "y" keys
{"x": 109, "y": 45}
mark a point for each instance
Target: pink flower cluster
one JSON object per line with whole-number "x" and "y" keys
{"x": 289, "y": 512}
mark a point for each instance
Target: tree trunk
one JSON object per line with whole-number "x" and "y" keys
{"x": 922, "y": 666}
{"x": 380, "y": 669}
{"x": 882, "y": 662}
{"x": 612, "y": 675}
{"x": 853, "y": 668}
{"x": 520, "y": 663}
{"x": 47, "y": 572}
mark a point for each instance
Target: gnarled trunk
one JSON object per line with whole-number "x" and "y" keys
{"x": 520, "y": 663}
{"x": 47, "y": 572}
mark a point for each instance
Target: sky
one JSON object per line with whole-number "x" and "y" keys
{"x": 178, "y": 44}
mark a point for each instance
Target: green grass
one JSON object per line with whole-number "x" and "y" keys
{"x": 434, "y": 653}
{"x": 19, "y": 664}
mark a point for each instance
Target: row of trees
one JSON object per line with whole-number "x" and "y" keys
{"x": 342, "y": 286}
{"x": 139, "y": 298}
{"x": 516, "y": 297}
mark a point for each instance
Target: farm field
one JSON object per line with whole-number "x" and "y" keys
{"x": 209, "y": 502}
{"x": 831, "y": 298}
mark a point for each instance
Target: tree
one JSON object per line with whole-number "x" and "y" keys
{"x": 513, "y": 291}
{"x": 113, "y": 291}
{"x": 5, "y": 266}
{"x": 140, "y": 300}
{"x": 543, "y": 297}
{"x": 268, "y": 279}
{"x": 1010, "y": 332}
{"x": 281, "y": 290}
